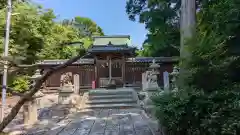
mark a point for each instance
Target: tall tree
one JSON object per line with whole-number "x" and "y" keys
{"x": 188, "y": 26}
{"x": 86, "y": 27}
{"x": 52, "y": 50}
{"x": 28, "y": 31}
{"x": 161, "y": 19}
{"x": 188, "y": 23}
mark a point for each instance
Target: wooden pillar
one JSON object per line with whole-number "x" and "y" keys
{"x": 123, "y": 69}
{"x": 96, "y": 72}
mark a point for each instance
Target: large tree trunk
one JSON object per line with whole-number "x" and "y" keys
{"x": 33, "y": 90}
{"x": 187, "y": 29}
{"x": 188, "y": 23}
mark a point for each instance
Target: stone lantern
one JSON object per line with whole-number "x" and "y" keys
{"x": 30, "y": 108}
{"x": 152, "y": 77}
{"x": 174, "y": 75}
{"x": 152, "y": 87}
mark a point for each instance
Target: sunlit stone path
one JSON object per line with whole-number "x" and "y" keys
{"x": 100, "y": 122}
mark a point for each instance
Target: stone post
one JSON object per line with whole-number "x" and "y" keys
{"x": 166, "y": 80}
{"x": 30, "y": 114}
{"x": 174, "y": 75}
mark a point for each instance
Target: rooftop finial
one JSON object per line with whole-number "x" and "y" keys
{"x": 153, "y": 61}
{"x": 154, "y": 65}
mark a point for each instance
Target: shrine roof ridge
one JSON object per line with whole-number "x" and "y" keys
{"x": 113, "y": 36}
{"x": 129, "y": 60}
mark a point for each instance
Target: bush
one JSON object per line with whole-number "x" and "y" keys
{"x": 193, "y": 112}
{"x": 21, "y": 83}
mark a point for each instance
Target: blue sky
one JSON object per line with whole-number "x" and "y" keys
{"x": 110, "y": 15}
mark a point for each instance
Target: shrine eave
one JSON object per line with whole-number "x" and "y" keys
{"x": 86, "y": 61}
{"x": 100, "y": 49}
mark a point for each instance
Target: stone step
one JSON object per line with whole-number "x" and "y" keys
{"x": 109, "y": 106}
{"x": 95, "y": 97}
{"x": 112, "y": 101}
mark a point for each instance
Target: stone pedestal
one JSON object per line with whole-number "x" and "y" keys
{"x": 30, "y": 114}
{"x": 65, "y": 93}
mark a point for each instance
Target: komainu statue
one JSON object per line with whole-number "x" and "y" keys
{"x": 66, "y": 79}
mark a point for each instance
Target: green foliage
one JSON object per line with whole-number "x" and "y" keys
{"x": 21, "y": 83}
{"x": 211, "y": 104}
{"x": 87, "y": 27}
{"x": 161, "y": 19}
{"x": 27, "y": 30}
{"x": 36, "y": 36}
{"x": 212, "y": 48}
{"x": 27, "y": 37}
{"x": 192, "y": 112}
{"x": 52, "y": 48}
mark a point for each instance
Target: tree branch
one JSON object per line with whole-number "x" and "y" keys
{"x": 23, "y": 66}
{"x": 33, "y": 90}
{"x": 14, "y": 67}
{"x": 176, "y": 47}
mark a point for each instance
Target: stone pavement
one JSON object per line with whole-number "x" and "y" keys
{"x": 55, "y": 119}
{"x": 98, "y": 122}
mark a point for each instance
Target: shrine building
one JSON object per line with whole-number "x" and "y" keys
{"x": 111, "y": 58}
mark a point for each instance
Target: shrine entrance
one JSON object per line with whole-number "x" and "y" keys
{"x": 110, "y": 54}
{"x": 110, "y": 71}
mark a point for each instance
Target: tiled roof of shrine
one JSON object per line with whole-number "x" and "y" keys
{"x": 114, "y": 39}
{"x": 91, "y": 61}
{"x": 110, "y": 48}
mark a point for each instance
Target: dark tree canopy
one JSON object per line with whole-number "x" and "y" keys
{"x": 161, "y": 19}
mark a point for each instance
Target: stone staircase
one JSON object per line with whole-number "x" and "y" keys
{"x": 115, "y": 98}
